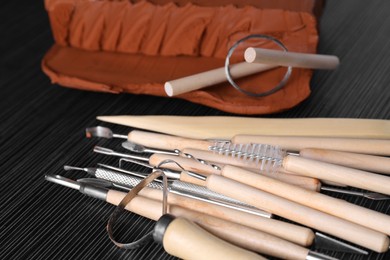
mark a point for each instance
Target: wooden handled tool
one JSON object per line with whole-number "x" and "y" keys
{"x": 192, "y": 165}
{"x": 294, "y": 143}
{"x": 336, "y": 173}
{"x": 338, "y": 227}
{"x": 212, "y": 77}
{"x": 294, "y": 59}
{"x": 186, "y": 240}
{"x": 337, "y": 207}
{"x": 225, "y": 127}
{"x": 296, "y": 234}
{"x": 234, "y": 233}
{"x": 365, "y": 162}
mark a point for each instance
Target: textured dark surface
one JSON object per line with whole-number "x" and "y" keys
{"x": 42, "y": 128}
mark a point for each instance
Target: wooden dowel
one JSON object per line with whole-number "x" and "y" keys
{"x": 321, "y": 221}
{"x": 294, "y": 59}
{"x": 212, "y": 77}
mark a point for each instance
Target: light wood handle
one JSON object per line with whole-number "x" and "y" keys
{"x": 187, "y": 163}
{"x": 354, "y": 145}
{"x": 321, "y": 221}
{"x": 186, "y": 240}
{"x": 296, "y": 234}
{"x": 337, "y": 207}
{"x": 243, "y": 236}
{"x": 165, "y": 142}
{"x": 184, "y": 176}
{"x": 152, "y": 209}
{"x": 212, "y": 77}
{"x": 294, "y": 59}
{"x": 365, "y": 162}
{"x": 339, "y": 174}
{"x": 305, "y": 182}
{"x": 225, "y": 127}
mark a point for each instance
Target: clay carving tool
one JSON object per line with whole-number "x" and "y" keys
{"x": 271, "y": 158}
{"x": 242, "y": 236}
{"x": 295, "y": 143}
{"x": 337, "y": 207}
{"x": 225, "y": 127}
{"x": 307, "y": 216}
{"x": 192, "y": 167}
{"x": 179, "y": 236}
{"x": 146, "y": 142}
{"x": 125, "y": 179}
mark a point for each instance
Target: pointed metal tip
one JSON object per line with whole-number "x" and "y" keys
{"x": 103, "y": 150}
{"x": 323, "y": 241}
{"x": 70, "y": 168}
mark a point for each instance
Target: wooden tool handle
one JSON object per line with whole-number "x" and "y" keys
{"x": 296, "y": 234}
{"x": 165, "y": 142}
{"x": 305, "y": 182}
{"x": 339, "y": 174}
{"x": 321, "y": 221}
{"x": 187, "y": 163}
{"x": 242, "y": 236}
{"x": 365, "y": 162}
{"x": 337, "y": 207}
{"x": 294, "y": 59}
{"x": 225, "y": 127}
{"x": 186, "y": 240}
{"x": 354, "y": 145}
{"x": 212, "y": 77}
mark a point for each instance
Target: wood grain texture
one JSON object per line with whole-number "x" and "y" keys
{"x": 42, "y": 128}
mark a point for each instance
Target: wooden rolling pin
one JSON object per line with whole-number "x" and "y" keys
{"x": 310, "y": 217}
{"x": 293, "y": 143}
{"x": 337, "y": 207}
{"x": 225, "y": 127}
{"x": 212, "y": 77}
{"x": 294, "y": 59}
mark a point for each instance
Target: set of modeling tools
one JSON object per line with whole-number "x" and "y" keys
{"x": 222, "y": 193}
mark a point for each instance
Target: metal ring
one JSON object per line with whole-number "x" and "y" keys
{"x": 229, "y": 76}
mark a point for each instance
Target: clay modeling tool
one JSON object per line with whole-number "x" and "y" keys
{"x": 146, "y": 142}
{"x": 337, "y": 207}
{"x": 176, "y": 234}
{"x": 193, "y": 166}
{"x": 271, "y": 158}
{"x": 307, "y": 216}
{"x": 294, "y": 143}
{"x": 243, "y": 236}
{"x": 288, "y": 58}
{"x": 225, "y": 127}
{"x": 124, "y": 179}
